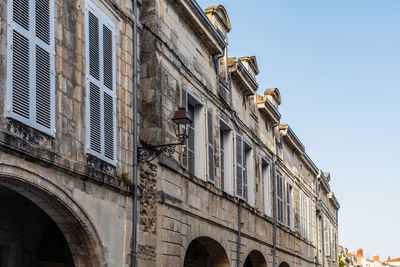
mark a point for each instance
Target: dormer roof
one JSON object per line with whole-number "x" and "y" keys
{"x": 240, "y": 74}
{"x": 266, "y": 107}
{"x": 274, "y": 94}
{"x": 219, "y": 18}
{"x": 250, "y": 62}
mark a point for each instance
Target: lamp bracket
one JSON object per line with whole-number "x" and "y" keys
{"x": 151, "y": 152}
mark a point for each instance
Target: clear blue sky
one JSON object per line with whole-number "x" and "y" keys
{"x": 337, "y": 66}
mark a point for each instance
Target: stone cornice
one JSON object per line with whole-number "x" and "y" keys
{"x": 265, "y": 106}
{"x": 309, "y": 163}
{"x": 239, "y": 72}
{"x": 201, "y": 24}
{"x": 324, "y": 182}
{"x": 290, "y": 137}
{"x": 333, "y": 199}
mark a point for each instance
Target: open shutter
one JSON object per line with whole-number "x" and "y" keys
{"x": 31, "y": 53}
{"x": 184, "y": 104}
{"x": 211, "y": 169}
{"x": 101, "y": 91}
{"x": 109, "y": 92}
{"x": 239, "y": 166}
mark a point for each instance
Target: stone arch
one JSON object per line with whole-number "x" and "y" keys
{"x": 255, "y": 259}
{"x": 205, "y": 251}
{"x": 81, "y": 236}
{"x": 284, "y": 264}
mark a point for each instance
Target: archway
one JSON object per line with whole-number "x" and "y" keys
{"x": 40, "y": 227}
{"x": 284, "y": 264}
{"x": 205, "y": 252}
{"x": 255, "y": 259}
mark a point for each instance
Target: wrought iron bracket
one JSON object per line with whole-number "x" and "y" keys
{"x": 151, "y": 152}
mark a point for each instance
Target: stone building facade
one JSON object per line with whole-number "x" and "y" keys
{"x": 242, "y": 191}
{"x": 66, "y": 132}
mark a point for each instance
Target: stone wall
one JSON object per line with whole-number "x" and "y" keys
{"x": 97, "y": 193}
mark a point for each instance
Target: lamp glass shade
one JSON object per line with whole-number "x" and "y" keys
{"x": 182, "y": 123}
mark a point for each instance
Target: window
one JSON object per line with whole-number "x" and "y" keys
{"x": 30, "y": 68}
{"x": 279, "y": 197}
{"x": 194, "y": 151}
{"x": 266, "y": 182}
{"x": 303, "y": 215}
{"x": 310, "y": 221}
{"x": 211, "y": 168}
{"x": 226, "y": 159}
{"x": 289, "y": 205}
{"x": 100, "y": 86}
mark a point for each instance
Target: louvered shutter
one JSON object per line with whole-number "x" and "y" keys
{"x": 184, "y": 104}
{"x": 239, "y": 166}
{"x": 31, "y": 70}
{"x": 211, "y": 169}
{"x": 101, "y": 100}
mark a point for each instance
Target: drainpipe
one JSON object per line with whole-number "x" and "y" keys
{"x": 239, "y": 231}
{"x": 317, "y": 217}
{"x": 135, "y": 138}
{"x": 323, "y": 243}
{"x": 274, "y": 199}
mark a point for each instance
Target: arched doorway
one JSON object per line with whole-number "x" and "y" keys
{"x": 40, "y": 226}
{"x": 255, "y": 259}
{"x": 205, "y": 252}
{"x": 284, "y": 264}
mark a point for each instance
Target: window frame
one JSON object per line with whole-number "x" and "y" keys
{"x": 267, "y": 186}
{"x": 228, "y": 184}
{"x": 200, "y": 138}
{"x": 289, "y": 205}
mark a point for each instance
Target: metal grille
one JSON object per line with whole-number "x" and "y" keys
{"x": 95, "y": 120}
{"x": 21, "y": 13}
{"x": 43, "y": 89}
{"x": 43, "y": 20}
{"x": 94, "y": 58}
{"x": 20, "y": 75}
{"x": 108, "y": 126}
{"x": 107, "y": 58}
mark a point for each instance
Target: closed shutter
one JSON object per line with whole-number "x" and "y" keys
{"x": 31, "y": 69}
{"x": 239, "y": 166}
{"x": 101, "y": 95}
{"x": 211, "y": 169}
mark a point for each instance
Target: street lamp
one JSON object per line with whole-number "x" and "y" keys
{"x": 182, "y": 123}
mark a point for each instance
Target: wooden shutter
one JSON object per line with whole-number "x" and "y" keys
{"x": 101, "y": 90}
{"x": 184, "y": 104}
{"x": 239, "y": 166}
{"x": 211, "y": 168}
{"x": 31, "y": 69}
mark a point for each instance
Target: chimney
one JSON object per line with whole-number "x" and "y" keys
{"x": 360, "y": 252}
{"x": 376, "y": 258}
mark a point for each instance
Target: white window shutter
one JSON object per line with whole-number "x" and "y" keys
{"x": 184, "y": 104}
{"x": 31, "y": 94}
{"x": 210, "y": 137}
{"x": 101, "y": 89}
{"x": 109, "y": 93}
{"x": 239, "y": 166}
